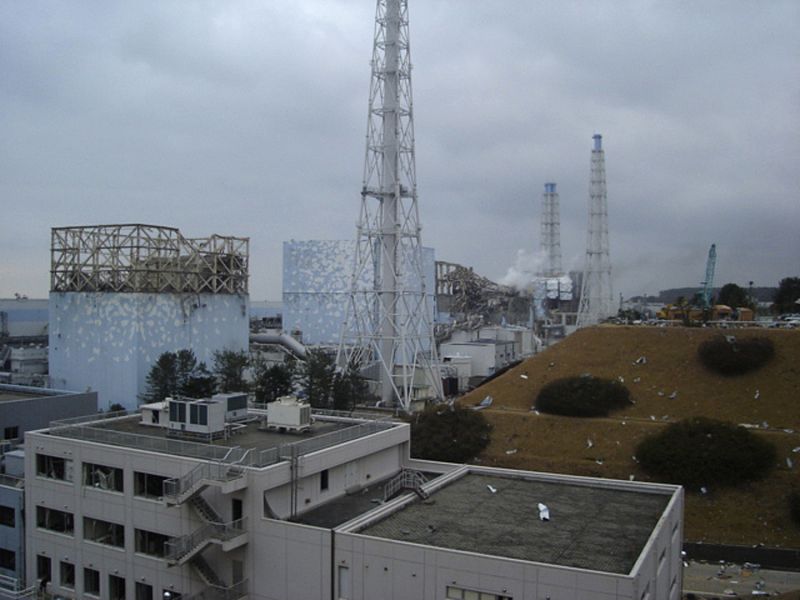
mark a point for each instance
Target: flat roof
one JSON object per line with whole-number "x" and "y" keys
{"x": 9, "y": 396}
{"x": 248, "y": 436}
{"x": 130, "y": 432}
{"x": 349, "y": 506}
{"x": 590, "y": 527}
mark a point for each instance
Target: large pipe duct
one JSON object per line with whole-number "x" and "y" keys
{"x": 281, "y": 339}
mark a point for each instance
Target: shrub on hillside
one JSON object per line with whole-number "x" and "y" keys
{"x": 704, "y": 452}
{"x": 729, "y": 355}
{"x": 448, "y": 433}
{"x": 794, "y": 506}
{"x": 584, "y": 396}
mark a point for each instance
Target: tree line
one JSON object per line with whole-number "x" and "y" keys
{"x": 316, "y": 378}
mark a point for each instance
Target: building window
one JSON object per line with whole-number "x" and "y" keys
{"x": 150, "y": 543}
{"x": 345, "y": 584}
{"x": 91, "y": 582}
{"x": 8, "y": 559}
{"x": 458, "y": 593}
{"x": 43, "y": 572}
{"x": 54, "y": 467}
{"x": 67, "y": 575}
{"x": 147, "y": 485}
{"x": 102, "y": 477}
{"x": 7, "y": 516}
{"x": 11, "y": 433}
{"x": 144, "y": 591}
{"x": 55, "y": 520}
{"x": 103, "y": 532}
{"x": 323, "y": 480}
{"x": 116, "y": 588}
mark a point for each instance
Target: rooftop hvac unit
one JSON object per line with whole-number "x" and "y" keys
{"x": 197, "y": 417}
{"x": 288, "y": 413}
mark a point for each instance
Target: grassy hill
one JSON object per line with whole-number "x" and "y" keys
{"x": 752, "y": 514}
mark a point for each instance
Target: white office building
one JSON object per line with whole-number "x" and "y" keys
{"x": 121, "y": 508}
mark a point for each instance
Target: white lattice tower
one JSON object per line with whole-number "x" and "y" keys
{"x": 388, "y": 330}
{"x": 551, "y": 231}
{"x": 597, "y": 301}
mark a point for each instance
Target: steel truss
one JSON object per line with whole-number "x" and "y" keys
{"x": 146, "y": 258}
{"x": 388, "y": 331}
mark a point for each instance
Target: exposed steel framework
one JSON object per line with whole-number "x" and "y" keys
{"x": 597, "y": 302}
{"x": 551, "y": 231}
{"x": 388, "y": 329}
{"x": 146, "y": 258}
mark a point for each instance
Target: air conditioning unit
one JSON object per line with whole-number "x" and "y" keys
{"x": 288, "y": 413}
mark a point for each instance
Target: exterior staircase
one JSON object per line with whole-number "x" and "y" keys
{"x": 228, "y": 477}
{"x": 407, "y": 479}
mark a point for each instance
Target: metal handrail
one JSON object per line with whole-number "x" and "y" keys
{"x": 208, "y": 471}
{"x": 332, "y": 439}
{"x": 177, "y": 548}
{"x": 12, "y": 481}
{"x": 234, "y": 592}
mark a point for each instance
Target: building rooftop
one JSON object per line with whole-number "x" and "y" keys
{"x": 466, "y": 515}
{"x": 9, "y": 396}
{"x": 268, "y": 446}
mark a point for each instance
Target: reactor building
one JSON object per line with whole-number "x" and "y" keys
{"x": 121, "y": 295}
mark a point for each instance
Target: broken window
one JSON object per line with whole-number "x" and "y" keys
{"x": 103, "y": 532}
{"x": 55, "y": 520}
{"x": 102, "y": 477}
{"x": 54, "y": 467}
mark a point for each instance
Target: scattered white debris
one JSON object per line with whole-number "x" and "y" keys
{"x": 512, "y": 451}
{"x": 631, "y": 477}
{"x": 673, "y": 395}
{"x": 552, "y": 364}
{"x": 788, "y": 431}
{"x": 660, "y": 393}
{"x": 589, "y": 442}
{"x": 486, "y": 401}
{"x": 765, "y": 425}
{"x": 624, "y": 422}
{"x": 731, "y": 339}
{"x": 637, "y": 379}
{"x": 749, "y": 425}
{"x": 796, "y": 449}
{"x": 757, "y": 394}
{"x": 536, "y": 412}
{"x": 703, "y": 490}
{"x": 636, "y": 460}
{"x": 523, "y": 376}
{"x": 544, "y": 512}
{"x": 620, "y": 378}
{"x": 642, "y": 360}
{"x": 652, "y": 417}
{"x": 789, "y": 462}
{"x": 599, "y": 461}
{"x": 491, "y": 488}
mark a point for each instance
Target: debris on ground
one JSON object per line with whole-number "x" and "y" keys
{"x": 589, "y": 442}
{"x": 544, "y": 512}
{"x": 673, "y": 395}
{"x": 512, "y": 451}
{"x": 757, "y": 395}
{"x": 523, "y": 376}
{"x": 491, "y": 488}
{"x": 642, "y": 360}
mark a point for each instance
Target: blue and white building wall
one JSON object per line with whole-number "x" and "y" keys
{"x": 107, "y": 342}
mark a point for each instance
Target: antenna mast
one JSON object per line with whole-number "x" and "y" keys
{"x": 388, "y": 331}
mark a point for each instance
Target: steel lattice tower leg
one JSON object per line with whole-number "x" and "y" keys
{"x": 596, "y": 295}
{"x": 551, "y": 231}
{"x": 388, "y": 331}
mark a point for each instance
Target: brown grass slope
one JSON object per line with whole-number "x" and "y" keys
{"x": 750, "y": 514}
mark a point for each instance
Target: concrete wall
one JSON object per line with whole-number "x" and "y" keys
{"x": 108, "y": 342}
{"x": 122, "y": 508}
{"x": 13, "y": 538}
{"x": 31, "y": 413}
{"x": 316, "y": 286}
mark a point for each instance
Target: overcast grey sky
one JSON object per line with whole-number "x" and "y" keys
{"x": 248, "y": 118}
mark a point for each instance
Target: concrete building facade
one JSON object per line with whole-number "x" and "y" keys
{"x": 122, "y": 510}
